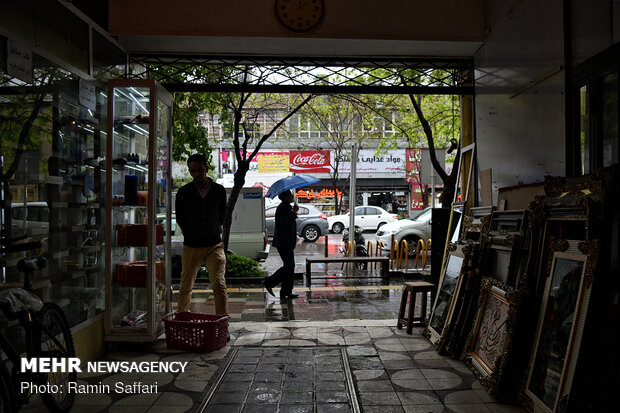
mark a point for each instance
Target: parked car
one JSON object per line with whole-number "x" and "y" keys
{"x": 366, "y": 217}
{"x": 411, "y": 230}
{"x": 311, "y": 222}
{"x": 33, "y": 220}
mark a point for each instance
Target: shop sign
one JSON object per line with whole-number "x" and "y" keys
{"x": 269, "y": 162}
{"x": 417, "y": 201}
{"x": 86, "y": 95}
{"x": 368, "y": 162}
{"x": 413, "y": 166}
{"x": 19, "y": 62}
{"x": 310, "y": 161}
{"x": 323, "y": 193}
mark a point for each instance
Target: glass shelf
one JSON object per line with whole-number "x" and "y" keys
{"x": 137, "y": 254}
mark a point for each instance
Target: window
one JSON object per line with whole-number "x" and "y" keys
{"x": 303, "y": 211}
{"x": 610, "y": 119}
{"x": 372, "y": 211}
{"x": 18, "y": 213}
{"x": 594, "y": 140}
{"x": 584, "y": 129}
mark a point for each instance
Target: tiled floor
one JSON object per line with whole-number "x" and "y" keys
{"x": 391, "y": 372}
{"x": 334, "y": 349}
{"x": 282, "y": 380}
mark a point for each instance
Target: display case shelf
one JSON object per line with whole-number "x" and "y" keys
{"x": 138, "y": 190}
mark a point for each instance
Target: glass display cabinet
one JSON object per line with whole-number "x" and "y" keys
{"x": 138, "y": 196}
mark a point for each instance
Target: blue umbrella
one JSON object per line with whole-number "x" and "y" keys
{"x": 289, "y": 183}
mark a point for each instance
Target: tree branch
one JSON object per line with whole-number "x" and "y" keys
{"x": 280, "y": 123}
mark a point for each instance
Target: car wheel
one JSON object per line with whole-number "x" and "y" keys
{"x": 337, "y": 227}
{"x": 311, "y": 233}
{"x": 412, "y": 245}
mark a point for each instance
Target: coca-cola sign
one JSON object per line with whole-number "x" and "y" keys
{"x": 309, "y": 161}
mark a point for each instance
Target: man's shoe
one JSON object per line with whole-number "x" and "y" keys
{"x": 268, "y": 288}
{"x": 291, "y": 296}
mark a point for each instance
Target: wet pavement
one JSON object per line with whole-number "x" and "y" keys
{"x": 334, "y": 349}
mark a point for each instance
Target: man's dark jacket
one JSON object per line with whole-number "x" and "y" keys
{"x": 201, "y": 218}
{"x": 285, "y": 233}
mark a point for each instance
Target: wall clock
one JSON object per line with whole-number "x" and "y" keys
{"x": 299, "y": 15}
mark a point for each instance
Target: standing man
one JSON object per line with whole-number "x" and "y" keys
{"x": 200, "y": 211}
{"x": 284, "y": 239}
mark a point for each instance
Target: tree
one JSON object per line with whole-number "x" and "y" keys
{"x": 433, "y": 123}
{"x": 189, "y": 135}
{"x": 449, "y": 180}
{"x": 239, "y": 113}
{"x": 25, "y": 122}
{"x": 343, "y": 121}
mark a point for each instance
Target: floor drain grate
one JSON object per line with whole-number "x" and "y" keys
{"x": 299, "y": 379}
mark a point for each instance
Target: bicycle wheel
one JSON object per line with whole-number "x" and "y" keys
{"x": 56, "y": 340}
{"x": 7, "y": 397}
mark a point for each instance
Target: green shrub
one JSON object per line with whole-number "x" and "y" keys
{"x": 237, "y": 266}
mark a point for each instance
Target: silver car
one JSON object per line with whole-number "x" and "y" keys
{"x": 311, "y": 222}
{"x": 410, "y": 230}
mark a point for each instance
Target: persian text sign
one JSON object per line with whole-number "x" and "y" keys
{"x": 367, "y": 161}
{"x": 309, "y": 161}
{"x": 272, "y": 162}
{"x": 413, "y": 166}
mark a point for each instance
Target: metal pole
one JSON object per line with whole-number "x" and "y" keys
{"x": 352, "y": 192}
{"x": 433, "y": 189}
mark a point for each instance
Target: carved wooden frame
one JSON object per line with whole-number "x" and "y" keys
{"x": 509, "y": 243}
{"x": 477, "y": 221}
{"x": 587, "y": 253}
{"x": 462, "y": 253}
{"x": 491, "y": 372}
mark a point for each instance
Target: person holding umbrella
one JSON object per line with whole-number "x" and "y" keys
{"x": 285, "y": 240}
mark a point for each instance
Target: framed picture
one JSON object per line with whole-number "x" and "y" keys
{"x": 477, "y": 222}
{"x": 454, "y": 226}
{"x": 560, "y": 327}
{"x": 454, "y": 268}
{"x": 503, "y": 258}
{"x": 503, "y": 249}
{"x": 489, "y": 345}
{"x": 466, "y": 161}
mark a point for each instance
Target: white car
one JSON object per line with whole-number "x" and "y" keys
{"x": 33, "y": 221}
{"x": 411, "y": 230}
{"x": 366, "y": 217}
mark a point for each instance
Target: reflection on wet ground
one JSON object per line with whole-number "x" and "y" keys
{"x": 336, "y": 292}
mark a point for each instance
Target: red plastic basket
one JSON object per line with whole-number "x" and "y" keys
{"x": 196, "y": 331}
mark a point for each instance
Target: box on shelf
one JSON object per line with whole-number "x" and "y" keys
{"x": 133, "y": 274}
{"x": 135, "y": 234}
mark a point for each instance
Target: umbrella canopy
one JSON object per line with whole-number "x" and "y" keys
{"x": 290, "y": 182}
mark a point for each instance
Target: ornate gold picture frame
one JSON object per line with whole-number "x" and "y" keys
{"x": 456, "y": 264}
{"x": 490, "y": 342}
{"x": 560, "y": 327}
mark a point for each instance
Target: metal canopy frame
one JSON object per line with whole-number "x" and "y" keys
{"x": 307, "y": 75}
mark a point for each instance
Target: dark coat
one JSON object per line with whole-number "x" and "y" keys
{"x": 201, "y": 218}
{"x": 285, "y": 233}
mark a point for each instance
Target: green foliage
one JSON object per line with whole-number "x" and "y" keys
{"x": 189, "y": 136}
{"x": 237, "y": 266}
{"x": 14, "y": 119}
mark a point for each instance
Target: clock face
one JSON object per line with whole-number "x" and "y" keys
{"x": 299, "y": 15}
